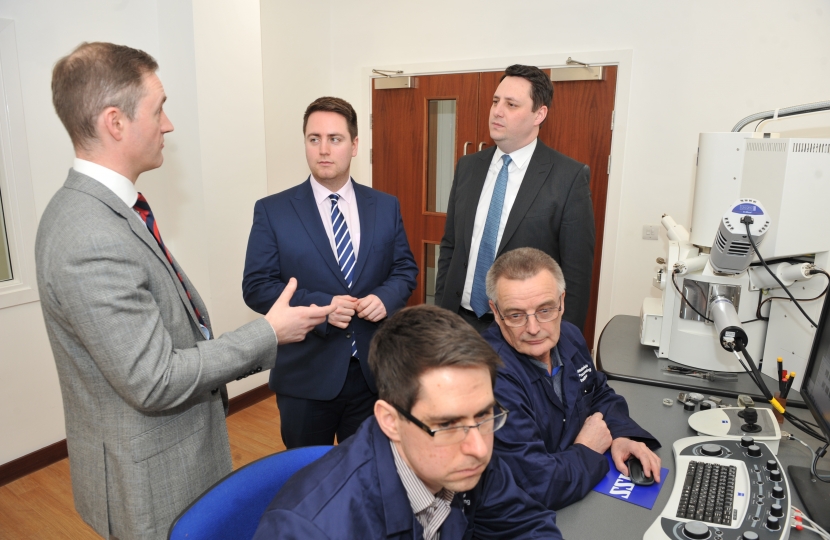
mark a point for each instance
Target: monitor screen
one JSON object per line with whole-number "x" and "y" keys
{"x": 816, "y": 387}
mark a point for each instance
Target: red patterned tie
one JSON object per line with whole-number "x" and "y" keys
{"x": 143, "y": 209}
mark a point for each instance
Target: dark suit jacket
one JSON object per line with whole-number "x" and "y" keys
{"x": 354, "y": 491}
{"x": 288, "y": 240}
{"x": 552, "y": 212}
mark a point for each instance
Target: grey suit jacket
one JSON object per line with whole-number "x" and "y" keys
{"x": 552, "y": 212}
{"x": 145, "y": 423}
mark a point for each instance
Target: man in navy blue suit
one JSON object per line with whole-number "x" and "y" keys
{"x": 564, "y": 416}
{"x": 346, "y": 245}
{"x": 423, "y": 466}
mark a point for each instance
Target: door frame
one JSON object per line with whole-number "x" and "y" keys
{"x": 623, "y": 59}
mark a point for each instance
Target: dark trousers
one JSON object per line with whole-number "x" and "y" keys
{"x": 311, "y": 422}
{"x": 480, "y": 324}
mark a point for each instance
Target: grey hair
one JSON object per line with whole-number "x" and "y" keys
{"x": 520, "y": 264}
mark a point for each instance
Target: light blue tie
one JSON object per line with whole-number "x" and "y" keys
{"x": 345, "y": 252}
{"x": 487, "y": 246}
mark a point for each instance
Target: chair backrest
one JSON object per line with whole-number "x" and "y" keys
{"x": 230, "y": 510}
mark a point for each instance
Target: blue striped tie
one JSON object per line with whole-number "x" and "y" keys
{"x": 487, "y": 246}
{"x": 343, "y": 244}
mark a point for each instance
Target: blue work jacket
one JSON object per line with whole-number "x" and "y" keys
{"x": 354, "y": 491}
{"x": 537, "y": 442}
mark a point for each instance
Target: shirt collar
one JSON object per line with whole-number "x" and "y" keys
{"x": 420, "y": 497}
{"x": 117, "y": 183}
{"x": 321, "y": 192}
{"x": 520, "y": 157}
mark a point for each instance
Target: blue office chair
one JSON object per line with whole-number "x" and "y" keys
{"x": 230, "y": 510}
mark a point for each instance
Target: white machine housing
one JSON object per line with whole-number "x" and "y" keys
{"x": 791, "y": 177}
{"x": 724, "y": 423}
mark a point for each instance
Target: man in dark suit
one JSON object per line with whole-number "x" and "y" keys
{"x": 142, "y": 375}
{"x": 519, "y": 194}
{"x": 423, "y": 465}
{"x": 345, "y": 244}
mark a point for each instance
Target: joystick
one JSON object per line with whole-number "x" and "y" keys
{"x": 751, "y": 418}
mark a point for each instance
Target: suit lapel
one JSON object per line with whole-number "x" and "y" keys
{"x": 366, "y": 210}
{"x": 306, "y": 208}
{"x": 94, "y": 188}
{"x": 478, "y": 176}
{"x": 537, "y": 172}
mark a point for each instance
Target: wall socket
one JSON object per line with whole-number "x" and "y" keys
{"x": 650, "y": 232}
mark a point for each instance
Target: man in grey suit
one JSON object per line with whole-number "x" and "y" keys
{"x": 518, "y": 194}
{"x": 141, "y": 376}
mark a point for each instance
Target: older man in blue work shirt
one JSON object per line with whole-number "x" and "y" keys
{"x": 563, "y": 414}
{"x": 423, "y": 466}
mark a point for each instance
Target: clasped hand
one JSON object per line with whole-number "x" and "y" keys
{"x": 369, "y": 307}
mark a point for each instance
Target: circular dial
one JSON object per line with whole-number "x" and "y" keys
{"x": 696, "y": 529}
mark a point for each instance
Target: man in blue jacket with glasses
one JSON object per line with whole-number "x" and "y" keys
{"x": 564, "y": 416}
{"x": 423, "y": 465}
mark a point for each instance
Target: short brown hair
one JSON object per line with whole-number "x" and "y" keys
{"x": 420, "y": 338}
{"x": 541, "y": 89}
{"x": 335, "y": 105}
{"x": 520, "y": 264}
{"x": 93, "y": 77}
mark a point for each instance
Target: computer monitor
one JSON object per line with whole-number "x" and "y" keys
{"x": 816, "y": 393}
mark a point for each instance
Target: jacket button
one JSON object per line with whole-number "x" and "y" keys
{"x": 258, "y": 369}
{"x": 348, "y": 335}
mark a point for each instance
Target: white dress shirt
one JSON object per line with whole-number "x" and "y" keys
{"x": 118, "y": 184}
{"x": 515, "y": 174}
{"x": 348, "y": 207}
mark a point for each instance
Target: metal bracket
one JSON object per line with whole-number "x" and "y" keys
{"x": 579, "y": 71}
{"x": 389, "y": 72}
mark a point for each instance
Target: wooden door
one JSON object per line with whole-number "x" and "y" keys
{"x": 578, "y": 125}
{"x": 401, "y": 156}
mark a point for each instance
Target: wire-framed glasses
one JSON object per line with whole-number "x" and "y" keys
{"x": 455, "y": 434}
{"x": 520, "y": 319}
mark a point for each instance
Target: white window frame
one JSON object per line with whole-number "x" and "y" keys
{"x": 16, "y": 178}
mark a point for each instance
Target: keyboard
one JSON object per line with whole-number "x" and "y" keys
{"x": 725, "y": 490}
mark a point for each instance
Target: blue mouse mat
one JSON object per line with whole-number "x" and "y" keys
{"x": 616, "y": 484}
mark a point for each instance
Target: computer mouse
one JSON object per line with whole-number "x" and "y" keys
{"x": 635, "y": 472}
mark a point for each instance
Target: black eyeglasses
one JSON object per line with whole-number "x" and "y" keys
{"x": 455, "y": 434}
{"x": 520, "y": 319}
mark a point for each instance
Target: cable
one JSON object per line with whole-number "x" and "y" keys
{"x": 760, "y": 258}
{"x": 820, "y": 454}
{"x": 813, "y": 271}
{"x": 786, "y": 111}
{"x": 674, "y": 280}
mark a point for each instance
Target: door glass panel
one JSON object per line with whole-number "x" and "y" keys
{"x": 440, "y": 153}
{"x": 431, "y": 271}
{"x": 5, "y": 258}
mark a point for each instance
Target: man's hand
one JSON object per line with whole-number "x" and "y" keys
{"x": 293, "y": 323}
{"x": 623, "y": 448}
{"x": 371, "y": 308}
{"x": 594, "y": 434}
{"x": 345, "y": 307}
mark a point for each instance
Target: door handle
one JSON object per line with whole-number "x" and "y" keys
{"x": 465, "y": 147}
{"x": 481, "y": 145}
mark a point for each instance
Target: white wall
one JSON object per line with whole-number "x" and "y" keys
{"x": 696, "y": 67}
{"x": 214, "y": 170}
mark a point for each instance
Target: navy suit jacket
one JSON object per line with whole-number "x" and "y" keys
{"x": 288, "y": 240}
{"x": 538, "y": 440}
{"x": 354, "y": 491}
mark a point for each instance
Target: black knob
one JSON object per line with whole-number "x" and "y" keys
{"x": 772, "y": 465}
{"x": 711, "y": 450}
{"x": 750, "y": 415}
{"x": 778, "y": 492}
{"x": 775, "y": 476}
{"x": 696, "y": 529}
{"x": 746, "y": 442}
{"x": 749, "y": 535}
{"x": 754, "y": 451}
{"x": 689, "y": 405}
{"x": 705, "y": 405}
{"x": 772, "y": 523}
{"x": 776, "y": 510}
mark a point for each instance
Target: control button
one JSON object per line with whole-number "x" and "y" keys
{"x": 746, "y": 442}
{"x": 696, "y": 529}
{"x": 711, "y": 450}
{"x": 773, "y": 524}
{"x": 776, "y": 510}
{"x": 775, "y": 476}
{"x": 689, "y": 406}
{"x": 778, "y": 492}
{"x": 749, "y": 535}
{"x": 772, "y": 465}
{"x": 754, "y": 451}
